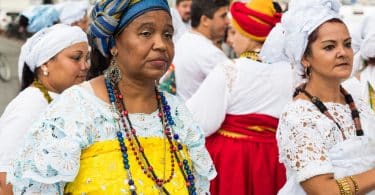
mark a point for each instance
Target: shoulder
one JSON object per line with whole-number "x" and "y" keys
{"x": 73, "y": 98}
{"x": 28, "y": 99}
{"x": 72, "y": 93}
{"x": 298, "y": 112}
{"x": 173, "y": 100}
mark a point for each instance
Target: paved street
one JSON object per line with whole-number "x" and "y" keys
{"x": 9, "y": 90}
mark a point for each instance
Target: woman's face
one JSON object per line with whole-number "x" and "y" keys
{"x": 331, "y": 56}
{"x": 230, "y": 35}
{"x": 145, "y": 48}
{"x": 68, "y": 67}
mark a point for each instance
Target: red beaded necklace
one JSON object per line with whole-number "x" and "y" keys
{"x": 138, "y": 151}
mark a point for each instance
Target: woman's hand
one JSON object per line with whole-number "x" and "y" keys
{"x": 5, "y": 189}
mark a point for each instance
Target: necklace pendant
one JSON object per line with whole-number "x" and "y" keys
{"x": 359, "y": 132}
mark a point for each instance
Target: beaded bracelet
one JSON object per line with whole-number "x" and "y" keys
{"x": 356, "y": 187}
{"x": 344, "y": 187}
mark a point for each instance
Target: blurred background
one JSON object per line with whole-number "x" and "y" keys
{"x": 12, "y": 36}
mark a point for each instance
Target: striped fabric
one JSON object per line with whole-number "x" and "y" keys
{"x": 110, "y": 17}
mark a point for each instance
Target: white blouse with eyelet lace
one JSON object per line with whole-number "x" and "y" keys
{"x": 51, "y": 153}
{"x": 311, "y": 144}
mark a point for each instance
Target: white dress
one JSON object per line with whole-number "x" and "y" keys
{"x": 310, "y": 144}
{"x": 194, "y": 59}
{"x": 51, "y": 156}
{"x": 240, "y": 87}
{"x": 17, "y": 118}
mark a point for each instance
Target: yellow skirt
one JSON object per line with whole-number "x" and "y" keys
{"x": 102, "y": 170}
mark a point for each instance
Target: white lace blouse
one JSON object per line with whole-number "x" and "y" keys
{"x": 311, "y": 144}
{"x": 51, "y": 155}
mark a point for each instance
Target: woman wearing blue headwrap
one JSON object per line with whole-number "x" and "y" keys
{"x": 117, "y": 133}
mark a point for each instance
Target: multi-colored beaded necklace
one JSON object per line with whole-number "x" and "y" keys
{"x": 43, "y": 89}
{"x": 176, "y": 149}
{"x": 323, "y": 109}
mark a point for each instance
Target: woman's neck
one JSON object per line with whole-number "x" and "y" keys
{"x": 326, "y": 91}
{"x": 47, "y": 84}
{"x": 139, "y": 96}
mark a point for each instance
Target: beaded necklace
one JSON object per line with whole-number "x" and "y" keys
{"x": 176, "y": 149}
{"x": 371, "y": 94}
{"x": 323, "y": 109}
{"x": 43, "y": 89}
{"x": 253, "y": 55}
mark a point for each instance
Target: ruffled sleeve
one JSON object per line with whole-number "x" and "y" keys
{"x": 301, "y": 143}
{"x": 51, "y": 154}
{"x": 209, "y": 103}
{"x": 192, "y": 136}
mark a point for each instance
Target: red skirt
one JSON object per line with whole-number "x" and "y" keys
{"x": 245, "y": 155}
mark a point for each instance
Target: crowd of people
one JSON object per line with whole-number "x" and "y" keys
{"x": 206, "y": 97}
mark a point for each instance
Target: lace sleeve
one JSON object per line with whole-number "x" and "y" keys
{"x": 51, "y": 154}
{"x": 302, "y": 144}
{"x": 193, "y": 138}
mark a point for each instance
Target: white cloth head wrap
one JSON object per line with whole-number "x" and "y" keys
{"x": 273, "y": 48}
{"x": 46, "y": 43}
{"x": 302, "y": 18}
{"x": 368, "y": 47}
{"x": 366, "y": 27}
{"x": 73, "y": 11}
{"x": 366, "y": 37}
{"x": 362, "y": 44}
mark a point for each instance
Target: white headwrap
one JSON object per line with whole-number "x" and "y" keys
{"x": 366, "y": 27}
{"x": 368, "y": 47}
{"x": 361, "y": 42}
{"x": 46, "y": 43}
{"x": 366, "y": 36}
{"x": 302, "y": 18}
{"x": 73, "y": 11}
{"x": 273, "y": 48}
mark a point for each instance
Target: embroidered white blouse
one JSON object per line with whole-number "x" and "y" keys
{"x": 311, "y": 144}
{"x": 240, "y": 87}
{"x": 77, "y": 120}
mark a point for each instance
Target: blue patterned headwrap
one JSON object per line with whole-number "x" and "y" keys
{"x": 40, "y": 16}
{"x": 110, "y": 17}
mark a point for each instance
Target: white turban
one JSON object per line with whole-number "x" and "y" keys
{"x": 361, "y": 42}
{"x": 73, "y": 11}
{"x": 46, "y": 43}
{"x": 273, "y": 48}
{"x": 368, "y": 47}
{"x": 302, "y": 18}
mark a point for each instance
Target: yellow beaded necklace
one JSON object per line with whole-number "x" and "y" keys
{"x": 43, "y": 89}
{"x": 253, "y": 55}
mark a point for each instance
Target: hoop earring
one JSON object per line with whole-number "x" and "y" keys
{"x": 308, "y": 72}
